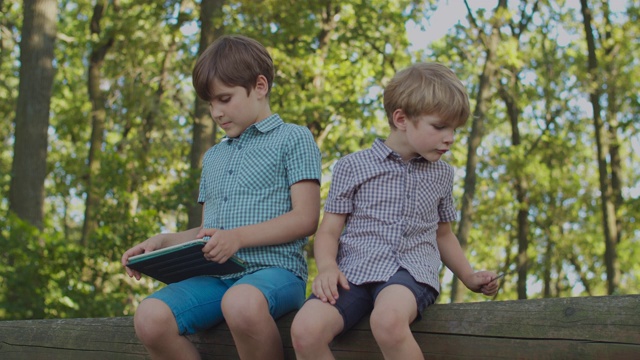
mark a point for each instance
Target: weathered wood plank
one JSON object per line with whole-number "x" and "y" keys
{"x": 588, "y": 318}
{"x": 102, "y": 338}
{"x": 606, "y": 327}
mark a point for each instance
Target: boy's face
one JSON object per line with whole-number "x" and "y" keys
{"x": 429, "y": 136}
{"x": 233, "y": 110}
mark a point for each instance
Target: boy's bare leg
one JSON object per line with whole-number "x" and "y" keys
{"x": 313, "y": 328}
{"x": 254, "y": 331}
{"x": 156, "y": 327}
{"x": 394, "y": 310}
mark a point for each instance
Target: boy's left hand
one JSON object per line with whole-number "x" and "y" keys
{"x": 221, "y": 245}
{"x": 485, "y": 282}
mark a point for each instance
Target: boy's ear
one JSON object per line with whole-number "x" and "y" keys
{"x": 400, "y": 119}
{"x": 262, "y": 85}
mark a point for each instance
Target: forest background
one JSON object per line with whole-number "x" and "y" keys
{"x": 103, "y": 137}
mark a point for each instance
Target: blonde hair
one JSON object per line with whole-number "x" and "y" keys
{"x": 427, "y": 89}
{"x": 234, "y": 60}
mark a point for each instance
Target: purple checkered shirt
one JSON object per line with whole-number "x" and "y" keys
{"x": 394, "y": 209}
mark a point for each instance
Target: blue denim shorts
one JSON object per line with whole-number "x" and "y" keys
{"x": 196, "y": 302}
{"x": 357, "y": 302}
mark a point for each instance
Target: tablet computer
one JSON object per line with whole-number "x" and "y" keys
{"x": 182, "y": 261}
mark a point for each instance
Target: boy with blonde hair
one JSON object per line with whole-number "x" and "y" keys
{"x": 387, "y": 223}
{"x": 261, "y": 197}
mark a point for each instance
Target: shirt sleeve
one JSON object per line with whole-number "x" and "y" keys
{"x": 303, "y": 160}
{"x": 342, "y": 189}
{"x": 447, "y": 208}
{"x": 202, "y": 187}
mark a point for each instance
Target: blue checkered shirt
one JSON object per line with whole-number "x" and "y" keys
{"x": 393, "y": 208}
{"x": 246, "y": 180}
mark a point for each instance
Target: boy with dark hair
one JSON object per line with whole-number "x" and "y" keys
{"x": 387, "y": 223}
{"x": 261, "y": 196}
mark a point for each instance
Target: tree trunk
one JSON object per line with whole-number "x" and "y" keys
{"x": 204, "y": 128}
{"x": 98, "y": 118}
{"x": 521, "y": 187}
{"x": 474, "y": 141}
{"x": 607, "y": 205}
{"x": 612, "y": 70}
{"x": 151, "y": 113}
{"x": 554, "y": 205}
{"x": 29, "y": 168}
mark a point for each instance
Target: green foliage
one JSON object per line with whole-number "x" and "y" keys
{"x": 10, "y": 23}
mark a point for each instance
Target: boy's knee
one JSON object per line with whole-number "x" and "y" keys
{"x": 152, "y": 321}
{"x": 387, "y": 326}
{"x": 307, "y": 335}
{"x": 313, "y": 328}
{"x": 244, "y": 304}
{"x": 303, "y": 333}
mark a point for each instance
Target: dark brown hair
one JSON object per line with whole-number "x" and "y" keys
{"x": 234, "y": 60}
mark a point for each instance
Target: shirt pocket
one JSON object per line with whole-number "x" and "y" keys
{"x": 429, "y": 195}
{"x": 259, "y": 168}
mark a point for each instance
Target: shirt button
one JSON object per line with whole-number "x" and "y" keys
{"x": 239, "y": 147}
{"x": 225, "y": 198}
{"x": 230, "y": 172}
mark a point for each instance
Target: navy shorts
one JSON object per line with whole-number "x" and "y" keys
{"x": 357, "y": 302}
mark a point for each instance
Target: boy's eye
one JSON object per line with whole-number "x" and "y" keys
{"x": 220, "y": 99}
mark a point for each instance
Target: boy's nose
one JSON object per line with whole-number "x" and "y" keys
{"x": 215, "y": 113}
{"x": 449, "y": 137}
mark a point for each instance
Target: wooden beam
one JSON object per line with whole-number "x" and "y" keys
{"x": 606, "y": 327}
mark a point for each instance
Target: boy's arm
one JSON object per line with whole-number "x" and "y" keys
{"x": 325, "y": 249}
{"x": 453, "y": 257}
{"x": 301, "y": 221}
{"x": 451, "y": 252}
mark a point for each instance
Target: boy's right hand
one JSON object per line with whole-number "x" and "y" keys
{"x": 146, "y": 246}
{"x": 325, "y": 285}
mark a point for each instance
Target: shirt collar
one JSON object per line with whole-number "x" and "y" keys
{"x": 381, "y": 150}
{"x": 263, "y": 126}
{"x": 269, "y": 123}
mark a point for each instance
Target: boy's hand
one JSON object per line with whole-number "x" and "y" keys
{"x": 221, "y": 245}
{"x": 146, "y": 246}
{"x": 325, "y": 285}
{"x": 485, "y": 282}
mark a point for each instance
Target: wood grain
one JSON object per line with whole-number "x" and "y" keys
{"x": 606, "y": 327}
